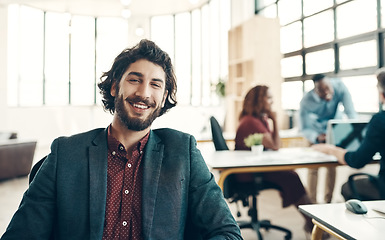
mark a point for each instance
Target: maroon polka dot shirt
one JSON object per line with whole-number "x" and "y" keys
{"x": 123, "y": 218}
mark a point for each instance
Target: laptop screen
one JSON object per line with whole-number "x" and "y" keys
{"x": 347, "y": 134}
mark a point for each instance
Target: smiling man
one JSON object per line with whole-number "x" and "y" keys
{"x": 317, "y": 107}
{"x": 126, "y": 181}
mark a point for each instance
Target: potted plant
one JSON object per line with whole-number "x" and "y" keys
{"x": 254, "y": 141}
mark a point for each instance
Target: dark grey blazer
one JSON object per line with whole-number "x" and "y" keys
{"x": 67, "y": 198}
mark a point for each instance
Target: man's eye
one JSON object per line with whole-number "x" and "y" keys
{"x": 133, "y": 80}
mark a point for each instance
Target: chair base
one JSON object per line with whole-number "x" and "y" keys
{"x": 266, "y": 224}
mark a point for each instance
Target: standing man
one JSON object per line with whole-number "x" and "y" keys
{"x": 126, "y": 181}
{"x": 317, "y": 107}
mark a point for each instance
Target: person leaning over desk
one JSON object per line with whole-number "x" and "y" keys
{"x": 126, "y": 181}
{"x": 317, "y": 107}
{"x": 256, "y": 112}
{"x": 373, "y": 142}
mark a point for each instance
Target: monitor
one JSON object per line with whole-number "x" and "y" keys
{"x": 346, "y": 133}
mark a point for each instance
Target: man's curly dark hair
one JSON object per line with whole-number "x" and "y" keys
{"x": 147, "y": 50}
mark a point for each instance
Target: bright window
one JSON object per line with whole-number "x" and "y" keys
{"x": 291, "y": 37}
{"x": 196, "y": 66}
{"x": 358, "y": 55}
{"x": 363, "y": 90}
{"x": 269, "y": 12}
{"x": 382, "y": 13}
{"x": 291, "y": 94}
{"x": 26, "y": 56}
{"x": 311, "y": 6}
{"x": 291, "y": 66}
{"x": 109, "y": 43}
{"x": 314, "y": 34}
{"x": 162, "y": 33}
{"x": 356, "y": 17}
{"x": 289, "y": 11}
{"x": 183, "y": 56}
{"x": 82, "y": 60}
{"x": 206, "y": 81}
{"x": 320, "y": 62}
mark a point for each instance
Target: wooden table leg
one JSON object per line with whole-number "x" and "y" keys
{"x": 316, "y": 233}
{"x": 319, "y": 229}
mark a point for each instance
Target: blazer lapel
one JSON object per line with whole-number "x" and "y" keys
{"x": 98, "y": 154}
{"x": 152, "y": 162}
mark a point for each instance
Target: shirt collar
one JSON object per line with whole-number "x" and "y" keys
{"x": 114, "y": 144}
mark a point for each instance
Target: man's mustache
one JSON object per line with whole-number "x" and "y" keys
{"x": 139, "y": 99}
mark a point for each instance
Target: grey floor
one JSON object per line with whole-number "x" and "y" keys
{"x": 269, "y": 203}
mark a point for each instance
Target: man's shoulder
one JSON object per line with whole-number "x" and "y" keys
{"x": 379, "y": 117}
{"x": 307, "y": 97}
{"x": 169, "y": 132}
{"x": 83, "y": 136}
{"x": 337, "y": 83}
{"x": 169, "y": 135}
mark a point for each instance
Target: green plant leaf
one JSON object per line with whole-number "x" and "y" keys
{"x": 253, "y": 139}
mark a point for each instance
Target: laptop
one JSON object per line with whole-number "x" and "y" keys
{"x": 346, "y": 133}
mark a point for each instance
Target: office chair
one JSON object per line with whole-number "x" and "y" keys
{"x": 218, "y": 139}
{"x": 355, "y": 194}
{"x": 246, "y": 192}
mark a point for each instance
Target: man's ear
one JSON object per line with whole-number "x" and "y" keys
{"x": 113, "y": 89}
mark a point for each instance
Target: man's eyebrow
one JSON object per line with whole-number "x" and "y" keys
{"x": 138, "y": 74}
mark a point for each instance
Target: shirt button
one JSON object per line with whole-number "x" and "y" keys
{"x": 113, "y": 153}
{"x": 126, "y": 191}
{"x": 124, "y": 223}
{"x": 141, "y": 152}
{"x": 129, "y": 165}
{"x": 121, "y": 148}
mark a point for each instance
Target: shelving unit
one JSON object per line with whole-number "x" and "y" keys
{"x": 254, "y": 58}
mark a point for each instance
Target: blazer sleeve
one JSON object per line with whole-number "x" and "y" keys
{"x": 34, "y": 218}
{"x": 208, "y": 210}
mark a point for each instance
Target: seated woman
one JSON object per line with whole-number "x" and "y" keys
{"x": 256, "y": 112}
{"x": 373, "y": 142}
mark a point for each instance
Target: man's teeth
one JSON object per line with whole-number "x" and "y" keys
{"x": 140, "y": 106}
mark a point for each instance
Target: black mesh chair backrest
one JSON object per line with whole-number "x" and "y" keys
{"x": 218, "y": 139}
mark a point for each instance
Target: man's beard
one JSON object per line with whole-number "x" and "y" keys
{"x": 135, "y": 124}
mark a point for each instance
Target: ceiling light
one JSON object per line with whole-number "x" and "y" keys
{"x": 139, "y": 31}
{"x": 126, "y": 13}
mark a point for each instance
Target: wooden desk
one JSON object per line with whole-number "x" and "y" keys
{"x": 230, "y": 162}
{"x": 338, "y": 221}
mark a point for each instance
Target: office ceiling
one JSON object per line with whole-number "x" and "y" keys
{"x": 139, "y": 8}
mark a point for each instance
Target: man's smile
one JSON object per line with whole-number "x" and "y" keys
{"x": 140, "y": 106}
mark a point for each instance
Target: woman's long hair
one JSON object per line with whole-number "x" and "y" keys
{"x": 253, "y": 103}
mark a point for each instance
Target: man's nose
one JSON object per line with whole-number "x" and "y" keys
{"x": 143, "y": 91}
